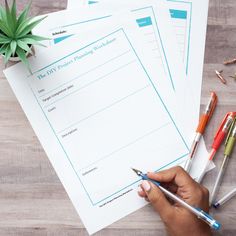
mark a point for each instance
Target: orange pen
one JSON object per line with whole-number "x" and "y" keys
{"x": 206, "y": 116}
{"x": 218, "y": 139}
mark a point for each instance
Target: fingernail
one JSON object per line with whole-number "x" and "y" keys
{"x": 146, "y": 186}
{"x": 140, "y": 189}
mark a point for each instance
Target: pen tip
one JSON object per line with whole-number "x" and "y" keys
{"x": 136, "y": 171}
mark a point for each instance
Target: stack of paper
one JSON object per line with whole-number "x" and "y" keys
{"x": 117, "y": 87}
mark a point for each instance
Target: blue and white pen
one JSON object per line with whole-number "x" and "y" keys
{"x": 196, "y": 211}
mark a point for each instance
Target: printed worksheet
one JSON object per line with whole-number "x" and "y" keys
{"x": 190, "y": 36}
{"x": 156, "y": 35}
{"x": 189, "y": 20}
{"x": 98, "y": 112}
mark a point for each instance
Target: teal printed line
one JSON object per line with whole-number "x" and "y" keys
{"x": 73, "y": 53}
{"x": 146, "y": 21}
{"x": 159, "y": 35}
{"x": 178, "y": 14}
{"x": 92, "y": 2}
{"x": 85, "y": 73}
{"x": 82, "y": 22}
{"x": 60, "y": 39}
{"x": 97, "y": 80}
{"x": 63, "y": 149}
{"x": 129, "y": 144}
{"x": 163, "y": 50}
{"x": 154, "y": 87}
{"x": 139, "y": 180}
{"x": 190, "y": 27}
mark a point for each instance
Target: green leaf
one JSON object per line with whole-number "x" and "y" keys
{"x": 3, "y": 49}
{"x": 13, "y": 14}
{"x": 27, "y": 27}
{"x": 8, "y": 54}
{"x": 3, "y": 36}
{"x": 9, "y": 20}
{"x": 31, "y": 41}
{"x": 4, "y": 40}
{"x": 35, "y": 37}
{"x": 21, "y": 54}
{"x": 23, "y": 16}
{"x": 24, "y": 46}
{"x": 5, "y": 29}
{"x": 2, "y": 13}
{"x": 13, "y": 47}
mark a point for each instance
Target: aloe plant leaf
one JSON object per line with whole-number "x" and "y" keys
{"x": 13, "y": 14}
{"x": 27, "y": 27}
{"x": 3, "y": 36}
{"x": 24, "y": 46}
{"x": 9, "y": 20}
{"x": 5, "y": 29}
{"x": 31, "y": 41}
{"x": 35, "y": 37}
{"x": 21, "y": 54}
{"x": 4, "y": 40}
{"x": 3, "y": 49}
{"x": 23, "y": 16}
{"x": 7, "y": 54}
{"x": 2, "y": 13}
{"x": 13, "y": 46}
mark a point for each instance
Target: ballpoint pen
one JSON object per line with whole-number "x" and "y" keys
{"x": 206, "y": 116}
{"x": 229, "y": 146}
{"x": 196, "y": 211}
{"x": 225, "y": 199}
{"x": 218, "y": 139}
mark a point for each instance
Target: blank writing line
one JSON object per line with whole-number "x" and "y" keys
{"x": 105, "y": 108}
{"x": 87, "y": 85}
{"x": 127, "y": 145}
{"x": 81, "y": 75}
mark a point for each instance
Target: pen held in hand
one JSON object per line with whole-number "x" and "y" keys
{"x": 196, "y": 211}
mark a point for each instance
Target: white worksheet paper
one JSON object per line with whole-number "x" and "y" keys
{"x": 98, "y": 112}
{"x": 156, "y": 35}
{"x": 189, "y": 20}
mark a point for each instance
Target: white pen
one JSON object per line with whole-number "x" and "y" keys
{"x": 225, "y": 199}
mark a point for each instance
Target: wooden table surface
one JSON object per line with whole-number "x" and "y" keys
{"x": 32, "y": 199}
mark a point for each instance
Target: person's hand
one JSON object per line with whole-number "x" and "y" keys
{"x": 178, "y": 220}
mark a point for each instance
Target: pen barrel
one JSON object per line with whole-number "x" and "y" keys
{"x": 230, "y": 146}
{"x": 196, "y": 211}
{"x": 188, "y": 165}
{"x": 226, "y": 198}
{"x": 219, "y": 179}
{"x": 218, "y": 140}
{"x": 202, "y": 123}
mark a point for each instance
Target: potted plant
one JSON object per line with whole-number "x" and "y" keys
{"x": 16, "y": 38}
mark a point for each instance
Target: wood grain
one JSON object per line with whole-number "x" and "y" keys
{"x": 32, "y": 199}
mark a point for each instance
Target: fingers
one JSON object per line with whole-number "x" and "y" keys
{"x": 176, "y": 175}
{"x": 157, "y": 199}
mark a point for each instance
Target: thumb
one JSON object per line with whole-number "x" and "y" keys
{"x": 158, "y": 200}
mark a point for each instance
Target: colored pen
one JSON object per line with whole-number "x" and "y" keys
{"x": 218, "y": 139}
{"x": 225, "y": 199}
{"x": 206, "y": 116}
{"x": 196, "y": 211}
{"x": 229, "y": 146}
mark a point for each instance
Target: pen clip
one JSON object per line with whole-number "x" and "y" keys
{"x": 212, "y": 104}
{"x": 230, "y": 130}
{"x": 232, "y": 114}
